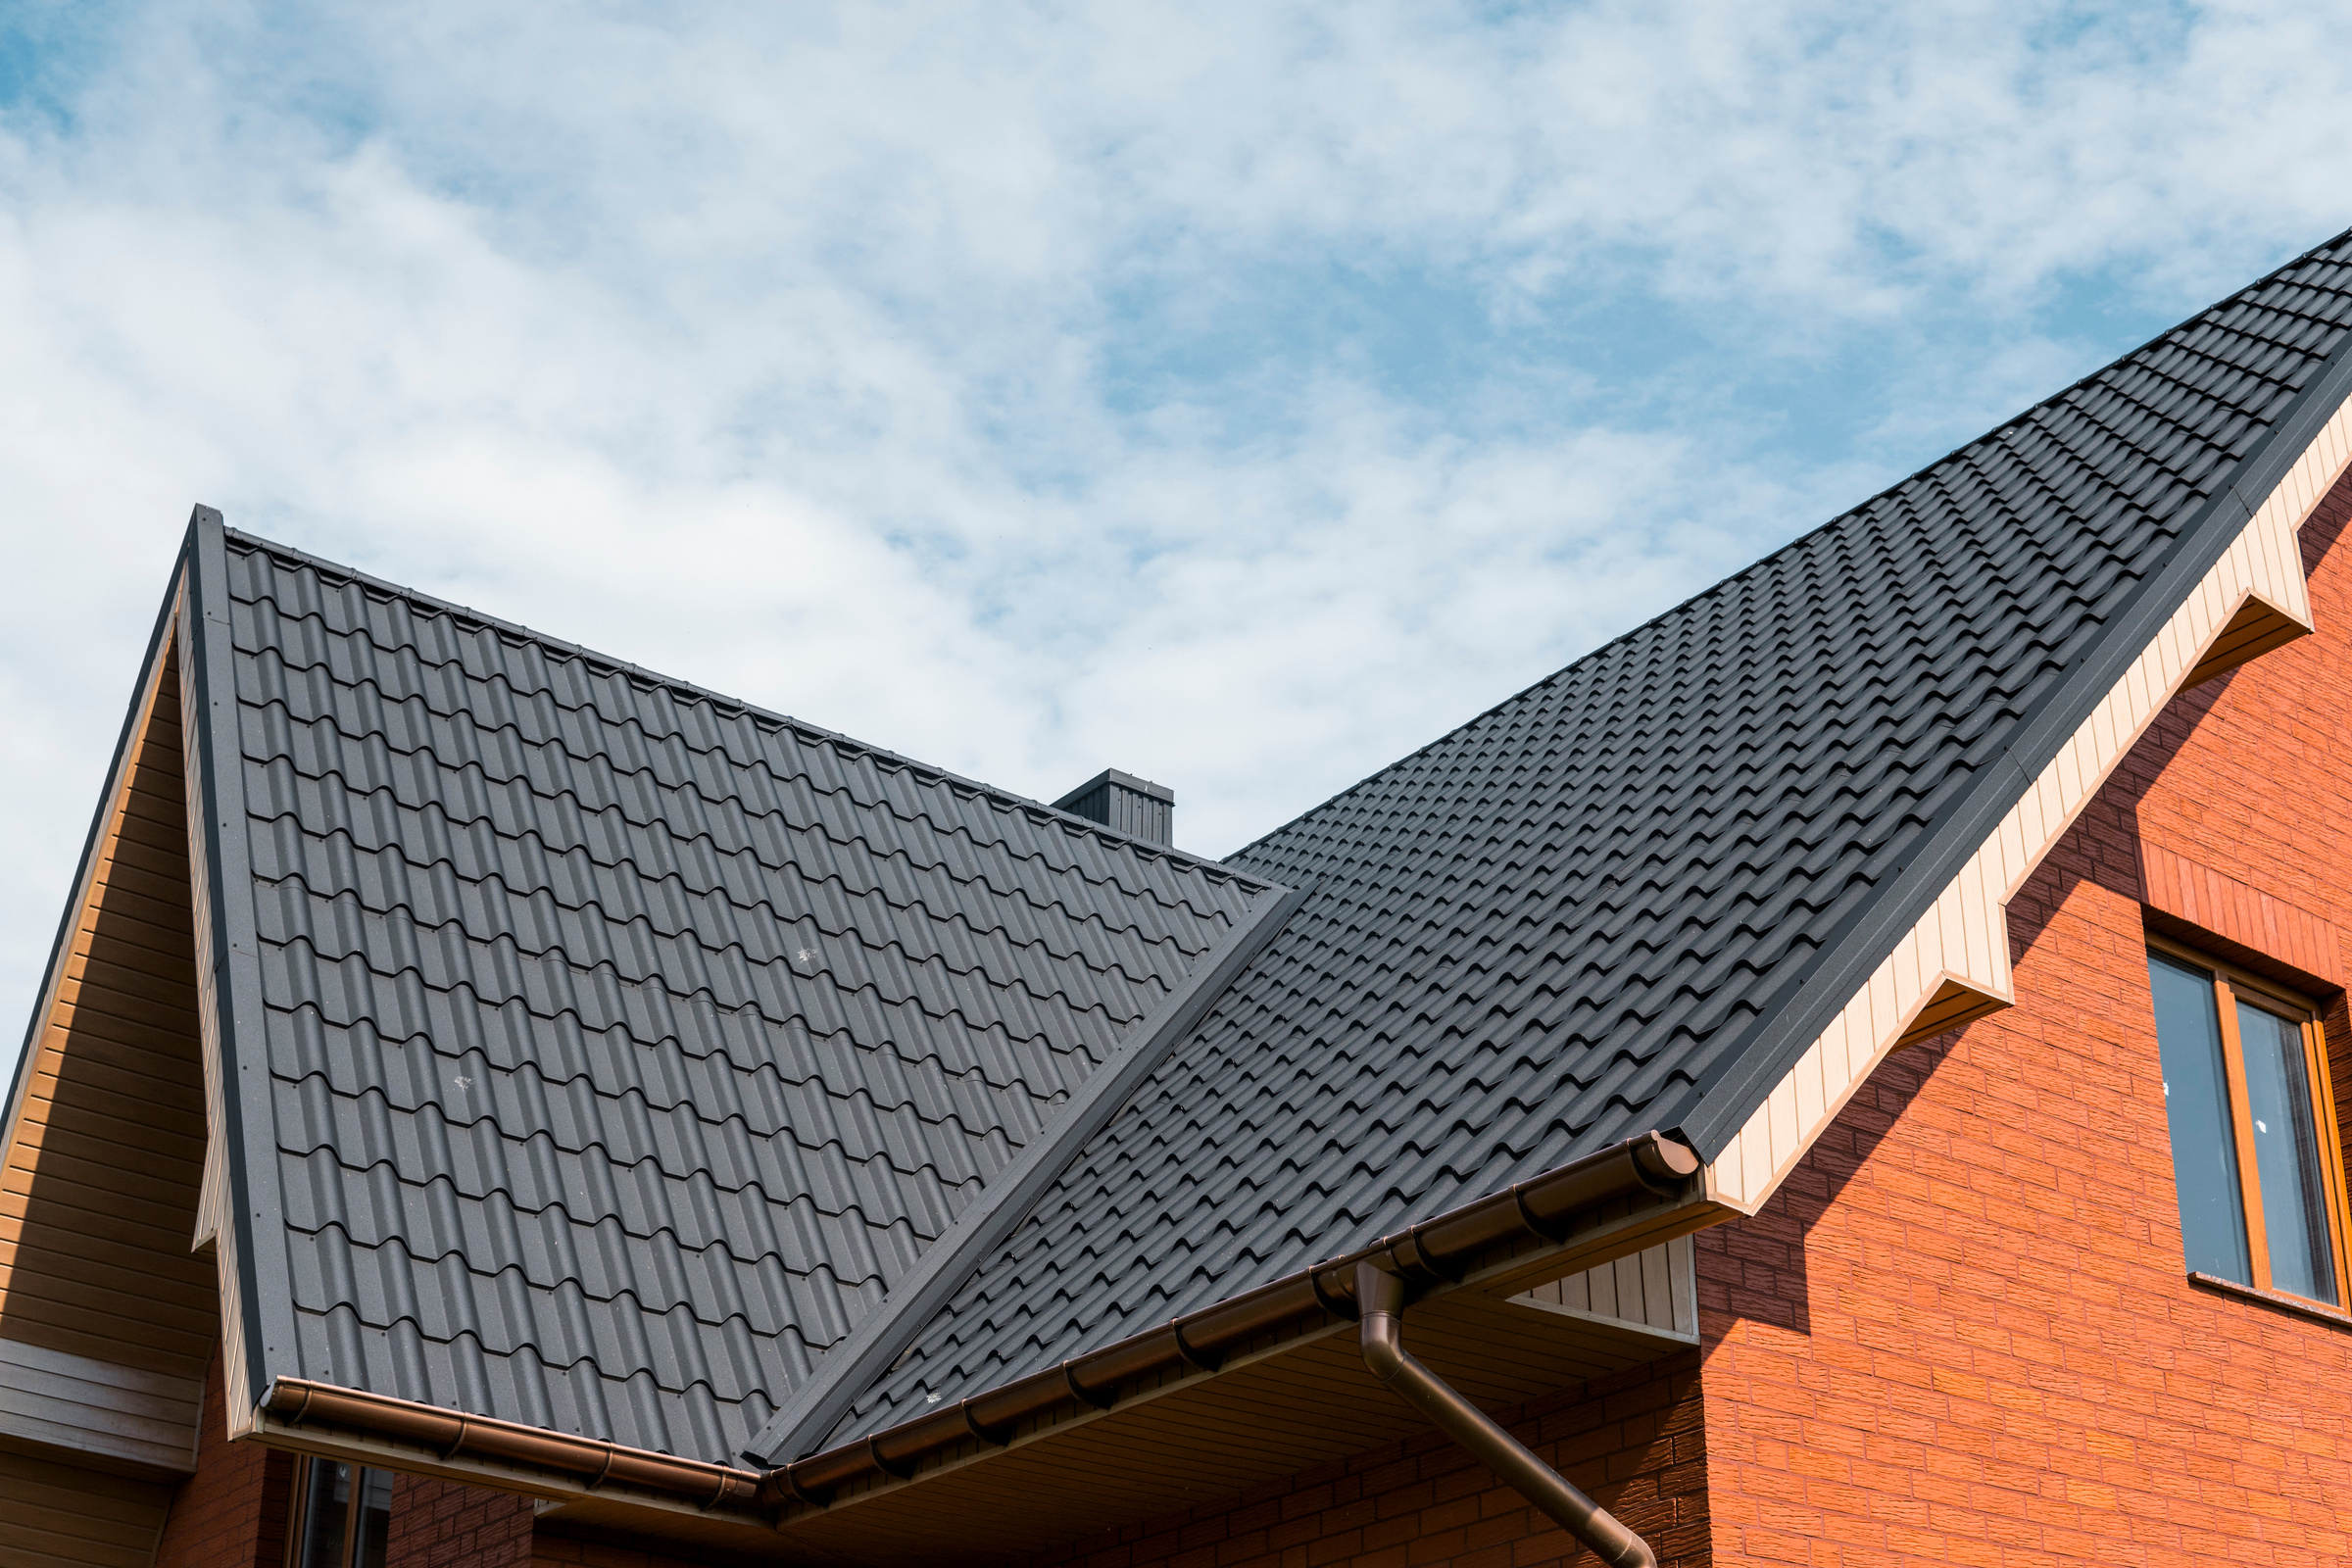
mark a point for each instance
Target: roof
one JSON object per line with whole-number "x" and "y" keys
{"x": 1627, "y": 897}
{"x": 623, "y": 1044}
{"x": 614, "y": 1057}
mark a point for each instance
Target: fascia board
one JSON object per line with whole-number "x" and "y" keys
{"x": 218, "y": 833}
{"x": 1793, "y": 1015}
{"x": 847, "y": 1369}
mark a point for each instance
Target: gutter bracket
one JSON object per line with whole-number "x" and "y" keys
{"x": 1381, "y": 1295}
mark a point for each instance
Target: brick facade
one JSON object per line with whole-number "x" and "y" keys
{"x": 232, "y": 1513}
{"x": 1634, "y": 1441}
{"x": 441, "y": 1523}
{"x": 1962, "y": 1332}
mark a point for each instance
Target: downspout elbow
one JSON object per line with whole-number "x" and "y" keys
{"x": 1380, "y": 1303}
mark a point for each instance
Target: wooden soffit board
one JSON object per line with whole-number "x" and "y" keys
{"x": 1953, "y": 965}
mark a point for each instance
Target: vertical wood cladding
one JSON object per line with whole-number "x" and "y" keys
{"x": 1962, "y": 1330}
{"x": 98, "y": 1195}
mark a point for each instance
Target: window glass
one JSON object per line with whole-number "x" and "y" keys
{"x": 2196, "y": 1105}
{"x": 375, "y": 1519}
{"x": 2286, "y": 1154}
{"x": 326, "y": 1511}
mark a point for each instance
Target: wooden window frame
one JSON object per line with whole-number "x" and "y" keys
{"x": 2230, "y": 983}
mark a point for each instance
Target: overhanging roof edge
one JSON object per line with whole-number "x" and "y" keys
{"x": 265, "y": 1283}
{"x": 1788, "y": 1022}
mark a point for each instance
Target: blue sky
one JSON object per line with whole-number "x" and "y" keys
{"x": 1236, "y": 394}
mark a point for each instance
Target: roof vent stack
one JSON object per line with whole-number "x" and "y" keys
{"x": 1133, "y": 805}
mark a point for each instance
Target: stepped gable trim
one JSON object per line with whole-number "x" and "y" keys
{"x": 258, "y": 1319}
{"x": 1953, "y": 965}
{"x": 848, "y": 1368}
{"x": 1040, "y": 811}
{"x": 1790, "y": 1021}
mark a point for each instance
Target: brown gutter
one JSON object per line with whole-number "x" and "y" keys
{"x": 589, "y": 1461}
{"x": 1438, "y": 1250}
{"x": 1380, "y": 1296}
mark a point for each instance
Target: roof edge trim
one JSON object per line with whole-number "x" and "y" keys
{"x": 752, "y": 710}
{"x": 231, "y": 970}
{"x": 1792, "y": 1017}
{"x": 1963, "y": 939}
{"x": 848, "y": 1368}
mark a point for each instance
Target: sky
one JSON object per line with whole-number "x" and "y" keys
{"x": 1238, "y": 395}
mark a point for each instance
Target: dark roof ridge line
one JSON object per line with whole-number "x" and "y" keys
{"x": 852, "y": 1362}
{"x": 736, "y": 705}
{"x": 1788, "y": 1020}
{"x": 1713, "y": 588}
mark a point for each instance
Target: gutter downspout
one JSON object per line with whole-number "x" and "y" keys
{"x": 1380, "y": 1302}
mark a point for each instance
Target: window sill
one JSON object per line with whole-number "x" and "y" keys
{"x": 2321, "y": 1311}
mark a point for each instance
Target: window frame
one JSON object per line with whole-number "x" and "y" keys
{"x": 2232, "y": 983}
{"x": 298, "y": 1507}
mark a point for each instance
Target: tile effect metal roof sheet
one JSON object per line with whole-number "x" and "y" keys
{"x": 1554, "y": 927}
{"x": 625, "y": 1044}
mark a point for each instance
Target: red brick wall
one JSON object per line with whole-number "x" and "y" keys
{"x": 232, "y": 1513}
{"x": 1633, "y": 1440}
{"x": 441, "y": 1523}
{"x": 1962, "y": 1332}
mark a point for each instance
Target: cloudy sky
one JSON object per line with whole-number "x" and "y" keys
{"x": 1236, "y": 394}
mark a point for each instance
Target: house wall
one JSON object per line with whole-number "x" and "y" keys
{"x": 443, "y": 1524}
{"x": 231, "y": 1512}
{"x": 1634, "y": 1441}
{"x": 1962, "y": 1331}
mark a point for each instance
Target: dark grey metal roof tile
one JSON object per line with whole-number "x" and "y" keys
{"x": 626, "y": 1043}
{"x": 1543, "y": 931}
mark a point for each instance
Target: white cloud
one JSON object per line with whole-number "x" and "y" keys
{"x": 980, "y": 379}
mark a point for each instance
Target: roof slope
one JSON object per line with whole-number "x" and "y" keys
{"x": 623, "y": 1044}
{"x": 1627, "y": 897}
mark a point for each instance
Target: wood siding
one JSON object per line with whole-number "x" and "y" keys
{"x": 60, "y": 1516}
{"x": 104, "y": 1311}
{"x": 1956, "y": 958}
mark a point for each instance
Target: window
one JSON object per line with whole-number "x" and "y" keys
{"x": 335, "y": 1523}
{"x": 2255, "y": 1154}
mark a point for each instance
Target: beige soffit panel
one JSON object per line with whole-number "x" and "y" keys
{"x": 1652, "y": 1294}
{"x": 1954, "y": 964}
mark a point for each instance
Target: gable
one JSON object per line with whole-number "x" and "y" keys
{"x": 603, "y": 1049}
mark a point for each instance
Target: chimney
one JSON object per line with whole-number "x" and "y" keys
{"x": 1122, "y": 802}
